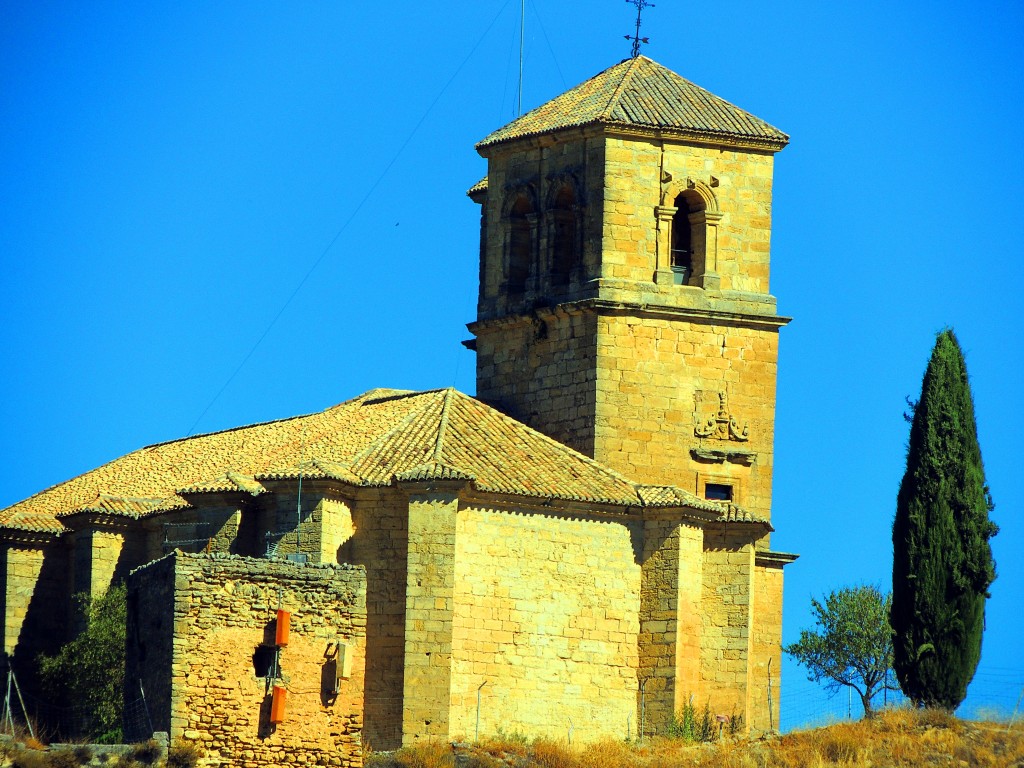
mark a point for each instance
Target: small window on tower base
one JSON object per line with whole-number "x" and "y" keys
{"x": 718, "y": 492}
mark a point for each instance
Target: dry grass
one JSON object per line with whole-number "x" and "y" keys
{"x": 896, "y": 738}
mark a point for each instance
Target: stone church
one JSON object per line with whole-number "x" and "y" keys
{"x": 582, "y": 547}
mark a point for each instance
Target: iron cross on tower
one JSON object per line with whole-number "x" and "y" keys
{"x": 640, "y": 5}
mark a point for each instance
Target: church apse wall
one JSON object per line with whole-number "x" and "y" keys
{"x": 547, "y": 620}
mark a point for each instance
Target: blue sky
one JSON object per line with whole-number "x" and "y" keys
{"x": 214, "y": 214}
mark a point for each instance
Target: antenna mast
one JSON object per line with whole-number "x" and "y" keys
{"x": 640, "y": 5}
{"x": 522, "y": 36}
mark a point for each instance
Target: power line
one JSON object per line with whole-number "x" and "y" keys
{"x": 351, "y": 217}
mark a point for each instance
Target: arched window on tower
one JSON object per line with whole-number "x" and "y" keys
{"x": 564, "y": 247}
{"x": 520, "y": 244}
{"x": 683, "y": 241}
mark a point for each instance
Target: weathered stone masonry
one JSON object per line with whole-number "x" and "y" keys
{"x": 199, "y": 626}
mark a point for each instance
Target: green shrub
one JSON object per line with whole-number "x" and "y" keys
{"x": 687, "y": 725}
{"x": 89, "y": 670}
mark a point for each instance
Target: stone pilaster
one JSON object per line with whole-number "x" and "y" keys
{"x": 21, "y": 567}
{"x": 663, "y": 269}
{"x": 766, "y": 641}
{"x": 727, "y": 604}
{"x": 96, "y": 552}
{"x": 670, "y": 625}
{"x": 429, "y": 611}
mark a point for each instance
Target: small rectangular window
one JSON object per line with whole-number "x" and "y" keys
{"x": 718, "y": 492}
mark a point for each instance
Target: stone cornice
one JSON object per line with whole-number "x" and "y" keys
{"x": 433, "y": 485}
{"x": 100, "y": 521}
{"x": 768, "y": 559}
{"x": 19, "y": 537}
{"x": 623, "y": 131}
{"x": 653, "y": 311}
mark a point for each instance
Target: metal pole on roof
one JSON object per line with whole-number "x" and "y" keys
{"x": 522, "y": 36}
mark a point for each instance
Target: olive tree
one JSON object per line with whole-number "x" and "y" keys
{"x": 851, "y": 645}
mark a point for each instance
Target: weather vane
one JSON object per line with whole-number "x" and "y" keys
{"x": 640, "y": 5}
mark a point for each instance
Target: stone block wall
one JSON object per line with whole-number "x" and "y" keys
{"x": 766, "y": 646}
{"x": 631, "y": 390}
{"x": 380, "y": 545}
{"x": 547, "y": 614}
{"x": 35, "y": 606}
{"x": 659, "y": 379}
{"x": 540, "y": 168}
{"x": 543, "y": 372}
{"x": 640, "y": 175}
{"x": 670, "y": 620}
{"x": 726, "y": 608}
{"x": 21, "y": 567}
{"x": 96, "y": 553}
{"x": 325, "y": 524}
{"x": 221, "y": 623}
{"x": 429, "y": 602}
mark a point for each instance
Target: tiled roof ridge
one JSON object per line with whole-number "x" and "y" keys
{"x": 231, "y": 480}
{"x": 613, "y": 100}
{"x": 19, "y": 502}
{"x": 402, "y": 424}
{"x": 562, "y": 447}
{"x": 371, "y": 394}
{"x": 226, "y": 431}
{"x": 339, "y": 471}
{"x": 442, "y": 424}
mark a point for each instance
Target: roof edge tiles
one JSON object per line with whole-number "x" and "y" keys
{"x": 640, "y": 94}
{"x": 372, "y": 440}
{"x": 110, "y": 504}
{"x": 433, "y": 470}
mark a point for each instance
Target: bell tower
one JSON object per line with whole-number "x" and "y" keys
{"x": 624, "y": 304}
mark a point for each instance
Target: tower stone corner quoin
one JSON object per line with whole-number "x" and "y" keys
{"x": 587, "y": 540}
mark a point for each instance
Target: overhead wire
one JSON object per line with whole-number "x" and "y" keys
{"x": 355, "y": 211}
{"x": 508, "y": 72}
{"x": 540, "y": 22}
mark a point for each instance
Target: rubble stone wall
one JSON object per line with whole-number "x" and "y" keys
{"x": 222, "y": 634}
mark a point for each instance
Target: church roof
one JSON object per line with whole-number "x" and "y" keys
{"x": 376, "y": 439}
{"x": 640, "y": 93}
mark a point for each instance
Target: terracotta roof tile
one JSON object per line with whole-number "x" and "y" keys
{"x": 229, "y": 482}
{"x": 372, "y": 440}
{"x": 640, "y": 93}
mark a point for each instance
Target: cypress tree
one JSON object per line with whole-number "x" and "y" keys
{"x": 942, "y": 560}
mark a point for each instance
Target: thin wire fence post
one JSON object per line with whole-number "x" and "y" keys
{"x": 476, "y": 739}
{"x": 24, "y": 711}
{"x": 643, "y": 710}
{"x": 145, "y": 707}
{"x": 8, "y": 721}
{"x": 1013, "y": 717}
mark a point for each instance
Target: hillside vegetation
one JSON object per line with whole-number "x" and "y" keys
{"x": 892, "y": 739}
